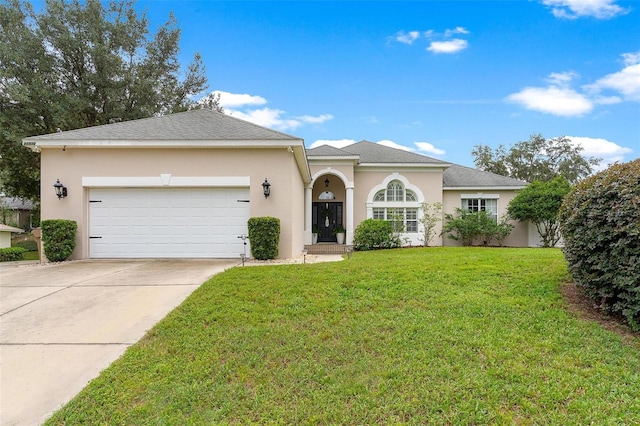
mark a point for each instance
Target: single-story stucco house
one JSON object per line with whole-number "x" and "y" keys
{"x": 185, "y": 184}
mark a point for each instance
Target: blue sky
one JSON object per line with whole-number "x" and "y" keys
{"x": 434, "y": 77}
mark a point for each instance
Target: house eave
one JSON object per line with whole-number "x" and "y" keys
{"x": 440, "y": 166}
{"x": 482, "y": 188}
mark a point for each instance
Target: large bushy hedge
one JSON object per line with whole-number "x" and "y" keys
{"x": 600, "y": 224}
{"x": 58, "y": 238}
{"x": 264, "y": 234}
{"x": 375, "y": 234}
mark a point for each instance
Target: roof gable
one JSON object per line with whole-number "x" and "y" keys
{"x": 201, "y": 124}
{"x": 374, "y": 153}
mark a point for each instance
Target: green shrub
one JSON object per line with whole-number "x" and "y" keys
{"x": 374, "y": 234}
{"x": 600, "y": 224}
{"x": 11, "y": 254}
{"x": 28, "y": 245}
{"x": 475, "y": 227}
{"x": 264, "y": 234}
{"x": 58, "y": 238}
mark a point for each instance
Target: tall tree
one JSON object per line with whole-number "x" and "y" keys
{"x": 536, "y": 159}
{"x": 539, "y": 203}
{"x": 82, "y": 63}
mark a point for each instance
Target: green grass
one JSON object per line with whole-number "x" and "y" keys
{"x": 411, "y": 336}
{"x": 31, "y": 255}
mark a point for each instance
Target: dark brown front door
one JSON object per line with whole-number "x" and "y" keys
{"x": 325, "y": 217}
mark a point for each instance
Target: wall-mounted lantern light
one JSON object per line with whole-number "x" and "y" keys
{"x": 266, "y": 188}
{"x": 61, "y": 190}
{"x": 326, "y": 183}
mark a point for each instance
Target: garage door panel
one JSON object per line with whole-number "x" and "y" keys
{"x": 203, "y": 222}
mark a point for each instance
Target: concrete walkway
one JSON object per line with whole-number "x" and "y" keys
{"x": 61, "y": 324}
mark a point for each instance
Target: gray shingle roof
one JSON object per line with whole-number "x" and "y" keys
{"x": 16, "y": 203}
{"x": 327, "y": 151}
{"x": 373, "y": 153}
{"x": 454, "y": 176}
{"x": 458, "y": 176}
{"x": 201, "y": 124}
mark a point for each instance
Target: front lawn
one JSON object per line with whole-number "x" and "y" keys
{"x": 416, "y": 336}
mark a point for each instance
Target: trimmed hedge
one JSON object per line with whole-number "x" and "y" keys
{"x": 58, "y": 238}
{"x": 28, "y": 245}
{"x": 264, "y": 234}
{"x": 375, "y": 234}
{"x": 600, "y": 224}
{"x": 11, "y": 254}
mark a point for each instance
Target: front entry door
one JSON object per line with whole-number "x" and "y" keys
{"x": 325, "y": 217}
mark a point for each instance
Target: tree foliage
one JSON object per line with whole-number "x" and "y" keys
{"x": 539, "y": 203}
{"x": 536, "y": 159}
{"x": 78, "y": 64}
{"x": 600, "y": 222}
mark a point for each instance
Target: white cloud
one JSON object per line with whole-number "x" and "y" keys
{"x": 456, "y": 30}
{"x": 266, "y": 117}
{"x": 429, "y": 148}
{"x": 559, "y": 98}
{"x": 336, "y": 143}
{"x": 561, "y": 78}
{"x": 625, "y": 82}
{"x": 240, "y": 105}
{"x": 573, "y": 9}
{"x": 392, "y": 144}
{"x": 631, "y": 58}
{"x": 407, "y": 38}
{"x": 439, "y": 42}
{"x": 234, "y": 100}
{"x": 552, "y": 100}
{"x": 315, "y": 120}
{"x": 449, "y": 46}
{"x": 610, "y": 152}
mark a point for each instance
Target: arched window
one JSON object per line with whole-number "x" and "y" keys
{"x": 394, "y": 209}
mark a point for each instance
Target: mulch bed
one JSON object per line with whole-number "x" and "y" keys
{"x": 584, "y": 308}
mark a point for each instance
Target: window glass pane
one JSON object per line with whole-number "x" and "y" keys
{"x": 411, "y": 196}
{"x": 395, "y": 191}
{"x": 412, "y": 220}
{"x": 471, "y": 204}
{"x": 378, "y": 213}
{"x": 379, "y": 196}
{"x": 491, "y": 207}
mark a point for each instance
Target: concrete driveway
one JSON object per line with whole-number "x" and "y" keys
{"x": 61, "y": 324}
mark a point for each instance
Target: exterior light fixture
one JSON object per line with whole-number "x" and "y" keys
{"x": 266, "y": 188}
{"x": 326, "y": 183}
{"x": 61, "y": 190}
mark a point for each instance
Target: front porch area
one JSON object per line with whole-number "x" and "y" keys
{"x": 328, "y": 248}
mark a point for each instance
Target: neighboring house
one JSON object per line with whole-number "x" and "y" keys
{"x": 184, "y": 185}
{"x": 16, "y": 211}
{"x": 5, "y": 235}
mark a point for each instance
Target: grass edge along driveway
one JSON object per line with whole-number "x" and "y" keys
{"x": 409, "y": 336}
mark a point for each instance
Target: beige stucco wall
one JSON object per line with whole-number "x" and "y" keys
{"x": 519, "y": 235}
{"x": 277, "y": 164}
{"x": 5, "y": 239}
{"x": 365, "y": 179}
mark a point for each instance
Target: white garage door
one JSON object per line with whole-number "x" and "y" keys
{"x": 167, "y": 223}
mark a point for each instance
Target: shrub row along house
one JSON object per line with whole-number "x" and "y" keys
{"x": 185, "y": 184}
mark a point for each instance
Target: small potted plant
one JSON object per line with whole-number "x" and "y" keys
{"x": 339, "y": 232}
{"x": 315, "y": 232}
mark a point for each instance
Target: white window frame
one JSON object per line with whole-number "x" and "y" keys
{"x": 381, "y": 205}
{"x": 482, "y": 203}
